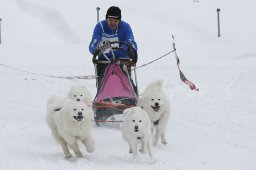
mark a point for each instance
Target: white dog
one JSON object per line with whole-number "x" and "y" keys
{"x": 136, "y": 130}
{"x": 80, "y": 93}
{"x": 69, "y": 122}
{"x": 157, "y": 105}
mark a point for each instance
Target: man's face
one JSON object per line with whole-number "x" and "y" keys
{"x": 113, "y": 23}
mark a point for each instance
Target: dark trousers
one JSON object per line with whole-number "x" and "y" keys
{"x": 100, "y": 73}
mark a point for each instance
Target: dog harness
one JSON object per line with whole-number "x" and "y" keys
{"x": 57, "y": 109}
{"x": 156, "y": 122}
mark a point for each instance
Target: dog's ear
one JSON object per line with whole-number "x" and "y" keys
{"x": 125, "y": 112}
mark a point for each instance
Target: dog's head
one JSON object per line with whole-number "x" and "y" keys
{"x": 80, "y": 93}
{"x": 154, "y": 100}
{"x": 155, "y": 103}
{"x": 136, "y": 120}
{"x": 76, "y": 111}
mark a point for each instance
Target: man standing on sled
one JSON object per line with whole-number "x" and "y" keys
{"x": 112, "y": 29}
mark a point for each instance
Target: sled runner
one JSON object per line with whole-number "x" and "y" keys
{"x": 116, "y": 89}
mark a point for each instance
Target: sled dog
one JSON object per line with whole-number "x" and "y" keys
{"x": 136, "y": 130}
{"x": 80, "y": 93}
{"x": 70, "y": 121}
{"x": 156, "y": 103}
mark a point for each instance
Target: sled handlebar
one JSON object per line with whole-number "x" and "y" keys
{"x": 130, "y": 52}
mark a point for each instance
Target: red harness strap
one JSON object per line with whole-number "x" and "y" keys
{"x": 119, "y": 107}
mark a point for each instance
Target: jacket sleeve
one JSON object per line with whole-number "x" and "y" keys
{"x": 129, "y": 36}
{"x": 96, "y": 38}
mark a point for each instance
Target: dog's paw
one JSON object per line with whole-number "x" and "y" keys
{"x": 164, "y": 142}
{"x": 90, "y": 149}
{"x": 142, "y": 151}
{"x": 68, "y": 156}
{"x": 79, "y": 155}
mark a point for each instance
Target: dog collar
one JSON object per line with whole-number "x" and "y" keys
{"x": 156, "y": 122}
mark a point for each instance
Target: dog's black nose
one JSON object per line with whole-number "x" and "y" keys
{"x": 78, "y": 100}
{"x": 80, "y": 113}
{"x": 156, "y": 104}
{"x": 136, "y": 127}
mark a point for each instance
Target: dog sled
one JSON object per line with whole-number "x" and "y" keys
{"x": 117, "y": 87}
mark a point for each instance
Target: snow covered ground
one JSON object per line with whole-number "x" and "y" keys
{"x": 212, "y": 129}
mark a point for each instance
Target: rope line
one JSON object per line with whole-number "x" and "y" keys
{"x": 88, "y": 77}
{"x": 153, "y": 60}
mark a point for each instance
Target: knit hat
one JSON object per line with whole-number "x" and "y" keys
{"x": 114, "y": 12}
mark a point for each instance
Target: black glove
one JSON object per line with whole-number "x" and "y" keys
{"x": 132, "y": 53}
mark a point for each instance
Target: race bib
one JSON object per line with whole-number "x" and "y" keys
{"x": 111, "y": 39}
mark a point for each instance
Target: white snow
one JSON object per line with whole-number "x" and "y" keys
{"x": 213, "y": 129}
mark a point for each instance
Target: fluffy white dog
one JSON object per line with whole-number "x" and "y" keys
{"x": 80, "y": 93}
{"x": 69, "y": 122}
{"x": 157, "y": 105}
{"x": 136, "y": 130}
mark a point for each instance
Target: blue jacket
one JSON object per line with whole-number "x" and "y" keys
{"x": 103, "y": 32}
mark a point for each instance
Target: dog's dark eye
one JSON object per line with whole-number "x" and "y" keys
{"x": 82, "y": 109}
{"x": 140, "y": 121}
{"x": 133, "y": 120}
{"x": 74, "y": 95}
{"x": 74, "y": 109}
{"x": 152, "y": 99}
{"x": 158, "y": 99}
{"x": 81, "y": 95}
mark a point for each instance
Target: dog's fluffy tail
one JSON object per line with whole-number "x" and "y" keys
{"x": 55, "y": 104}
